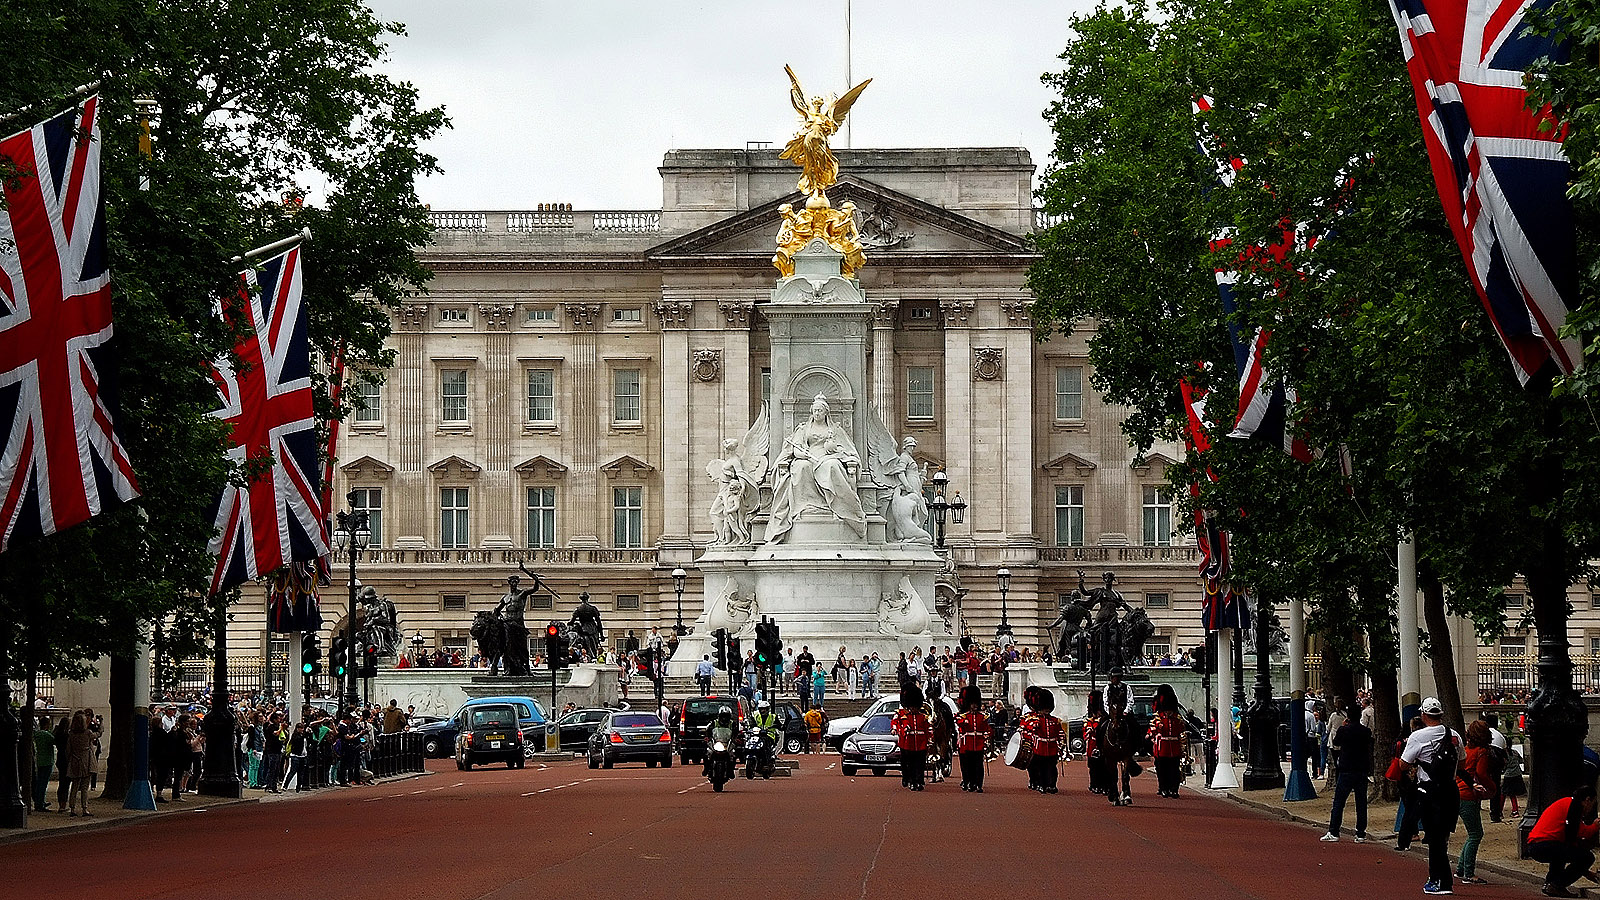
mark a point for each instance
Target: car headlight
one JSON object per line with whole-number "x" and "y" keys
{"x": 850, "y": 746}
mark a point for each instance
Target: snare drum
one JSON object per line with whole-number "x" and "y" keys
{"x": 1018, "y": 752}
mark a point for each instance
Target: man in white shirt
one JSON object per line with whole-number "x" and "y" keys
{"x": 1440, "y": 802}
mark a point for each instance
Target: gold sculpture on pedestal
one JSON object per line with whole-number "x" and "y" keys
{"x": 819, "y": 169}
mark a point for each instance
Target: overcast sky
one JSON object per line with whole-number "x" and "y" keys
{"x": 576, "y": 101}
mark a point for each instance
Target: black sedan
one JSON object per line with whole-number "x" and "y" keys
{"x": 578, "y": 725}
{"x": 627, "y": 736}
{"x": 872, "y": 746}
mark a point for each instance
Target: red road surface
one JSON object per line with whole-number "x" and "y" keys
{"x": 566, "y": 831}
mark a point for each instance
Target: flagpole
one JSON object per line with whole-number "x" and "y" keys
{"x": 303, "y": 237}
{"x": 31, "y": 108}
{"x": 847, "y": 81}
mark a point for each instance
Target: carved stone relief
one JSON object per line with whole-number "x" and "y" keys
{"x": 707, "y": 364}
{"x": 988, "y": 363}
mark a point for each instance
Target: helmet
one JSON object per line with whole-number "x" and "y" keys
{"x": 764, "y": 705}
{"x": 723, "y": 712}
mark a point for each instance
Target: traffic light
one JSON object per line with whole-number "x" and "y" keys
{"x": 764, "y": 654}
{"x": 339, "y": 657}
{"x": 1080, "y": 652}
{"x": 1197, "y": 658}
{"x": 777, "y": 642}
{"x": 719, "y": 645}
{"x": 311, "y": 653}
{"x": 369, "y": 661}
{"x": 553, "y": 651}
{"x": 735, "y": 658}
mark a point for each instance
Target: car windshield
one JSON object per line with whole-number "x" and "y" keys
{"x": 706, "y": 708}
{"x": 491, "y": 718}
{"x": 636, "y": 720}
{"x": 876, "y": 725}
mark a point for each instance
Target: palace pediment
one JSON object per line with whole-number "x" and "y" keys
{"x": 540, "y": 467}
{"x": 1069, "y": 462}
{"x": 454, "y": 467}
{"x": 366, "y": 467}
{"x": 891, "y": 224}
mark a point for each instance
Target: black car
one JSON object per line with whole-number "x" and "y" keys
{"x": 872, "y": 746}
{"x": 578, "y": 725}
{"x": 792, "y": 723}
{"x": 490, "y": 732}
{"x": 695, "y": 714}
{"x": 627, "y": 736}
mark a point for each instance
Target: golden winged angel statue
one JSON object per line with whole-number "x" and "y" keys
{"x": 820, "y": 118}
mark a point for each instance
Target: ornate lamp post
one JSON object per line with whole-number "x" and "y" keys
{"x": 417, "y": 643}
{"x": 678, "y": 578}
{"x": 956, "y": 509}
{"x": 1004, "y": 577}
{"x": 351, "y": 536}
{"x": 1264, "y": 769}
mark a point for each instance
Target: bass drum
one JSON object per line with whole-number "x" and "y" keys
{"x": 1018, "y": 753}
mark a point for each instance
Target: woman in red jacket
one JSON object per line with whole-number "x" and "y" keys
{"x": 1169, "y": 736}
{"x": 1472, "y": 784}
{"x": 1563, "y": 837}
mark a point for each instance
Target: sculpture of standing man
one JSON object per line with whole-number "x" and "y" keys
{"x": 585, "y": 622}
{"x": 513, "y": 629}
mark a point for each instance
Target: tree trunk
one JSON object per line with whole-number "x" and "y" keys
{"x": 1441, "y": 651}
{"x": 1385, "y": 724}
{"x": 1338, "y": 680}
{"x": 119, "y": 759}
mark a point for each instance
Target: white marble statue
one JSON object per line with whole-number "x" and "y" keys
{"x": 902, "y": 612}
{"x": 731, "y": 610}
{"x": 816, "y": 470}
{"x": 896, "y": 472}
{"x": 738, "y": 475}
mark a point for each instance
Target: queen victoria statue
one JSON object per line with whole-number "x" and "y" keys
{"x": 816, "y": 470}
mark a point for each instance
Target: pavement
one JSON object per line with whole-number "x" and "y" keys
{"x": 562, "y": 830}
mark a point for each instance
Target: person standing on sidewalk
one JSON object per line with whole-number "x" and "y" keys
{"x": 1352, "y": 759}
{"x": 44, "y": 759}
{"x": 80, "y": 759}
{"x": 1435, "y": 751}
{"x": 1563, "y": 838}
{"x": 1472, "y": 781}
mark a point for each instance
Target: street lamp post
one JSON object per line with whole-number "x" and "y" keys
{"x": 1264, "y": 769}
{"x": 939, "y": 507}
{"x": 678, "y": 578}
{"x": 417, "y": 643}
{"x": 1004, "y": 577}
{"x": 351, "y": 536}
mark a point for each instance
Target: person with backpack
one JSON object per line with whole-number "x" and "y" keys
{"x": 1434, "y": 752}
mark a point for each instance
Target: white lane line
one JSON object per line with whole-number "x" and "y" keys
{"x": 375, "y": 799}
{"x": 692, "y": 787}
{"x": 558, "y": 787}
{"x": 439, "y": 788}
{"x": 458, "y": 784}
{"x": 827, "y": 767}
{"x": 423, "y": 791}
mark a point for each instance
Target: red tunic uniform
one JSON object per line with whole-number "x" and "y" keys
{"x": 972, "y": 732}
{"x": 912, "y": 729}
{"x": 1167, "y": 733}
{"x": 1042, "y": 731}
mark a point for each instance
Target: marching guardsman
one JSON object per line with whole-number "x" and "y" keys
{"x": 1042, "y": 731}
{"x": 972, "y": 738}
{"x": 1169, "y": 737}
{"x": 1092, "y": 720}
{"x": 914, "y": 732}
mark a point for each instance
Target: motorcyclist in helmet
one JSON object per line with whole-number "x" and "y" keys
{"x": 723, "y": 728}
{"x": 767, "y": 721}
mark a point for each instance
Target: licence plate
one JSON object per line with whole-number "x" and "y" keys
{"x": 494, "y": 745}
{"x": 877, "y": 757}
{"x": 497, "y": 737}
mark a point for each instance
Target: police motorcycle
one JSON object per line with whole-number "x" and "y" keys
{"x": 721, "y": 733}
{"x": 761, "y": 743}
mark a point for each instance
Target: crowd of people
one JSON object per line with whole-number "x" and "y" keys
{"x": 72, "y": 749}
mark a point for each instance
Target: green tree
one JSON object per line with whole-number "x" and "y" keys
{"x": 257, "y": 103}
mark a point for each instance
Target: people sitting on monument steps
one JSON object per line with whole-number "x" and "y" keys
{"x": 1564, "y": 838}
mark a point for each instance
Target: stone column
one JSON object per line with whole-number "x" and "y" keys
{"x": 410, "y": 495}
{"x": 583, "y": 497}
{"x": 676, "y": 317}
{"x": 730, "y": 388}
{"x": 1017, "y": 373}
{"x": 500, "y": 415}
{"x": 963, "y": 418}
{"x": 883, "y": 383}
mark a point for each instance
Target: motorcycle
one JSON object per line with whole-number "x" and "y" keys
{"x": 758, "y": 755}
{"x": 719, "y": 764}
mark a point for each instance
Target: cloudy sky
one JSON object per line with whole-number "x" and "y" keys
{"x": 576, "y": 102}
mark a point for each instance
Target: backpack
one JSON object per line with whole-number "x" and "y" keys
{"x": 1446, "y": 760}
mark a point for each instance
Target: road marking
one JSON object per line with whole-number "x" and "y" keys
{"x": 439, "y": 788}
{"x": 558, "y": 787}
{"x": 458, "y": 784}
{"x": 692, "y": 787}
{"x": 414, "y": 793}
{"x": 827, "y": 767}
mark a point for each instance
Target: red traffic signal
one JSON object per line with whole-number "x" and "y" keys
{"x": 553, "y": 630}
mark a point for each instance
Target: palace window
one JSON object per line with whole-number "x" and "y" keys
{"x": 919, "y": 392}
{"x": 1157, "y": 601}
{"x": 454, "y": 602}
{"x": 1069, "y": 393}
{"x": 766, "y": 385}
{"x": 627, "y": 601}
{"x": 370, "y": 408}
{"x": 453, "y": 396}
{"x": 454, "y": 530}
{"x": 1069, "y": 515}
{"x": 633, "y": 314}
{"x": 542, "y": 314}
{"x": 541, "y": 396}
{"x": 541, "y": 601}
{"x": 455, "y": 315}
{"x": 542, "y": 517}
{"x": 921, "y": 312}
{"x": 627, "y": 512}
{"x": 1157, "y": 517}
{"x": 627, "y": 397}
{"x": 370, "y": 500}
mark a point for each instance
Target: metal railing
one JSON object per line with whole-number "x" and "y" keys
{"x": 644, "y": 556}
{"x": 245, "y": 675}
{"x": 549, "y": 221}
{"x": 1043, "y": 220}
{"x": 1187, "y": 554}
{"x": 1504, "y": 676}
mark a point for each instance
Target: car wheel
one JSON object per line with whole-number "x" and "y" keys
{"x": 792, "y": 745}
{"x": 666, "y": 762}
{"x": 605, "y": 762}
{"x": 466, "y": 763}
{"x": 848, "y": 770}
{"x": 593, "y": 763}
{"x": 649, "y": 764}
{"x": 527, "y": 750}
{"x": 459, "y": 766}
{"x": 431, "y": 747}
{"x": 879, "y": 771}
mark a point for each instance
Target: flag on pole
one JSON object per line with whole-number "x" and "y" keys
{"x": 1220, "y": 606}
{"x": 62, "y": 461}
{"x": 292, "y": 603}
{"x": 276, "y": 518}
{"x": 1502, "y": 178}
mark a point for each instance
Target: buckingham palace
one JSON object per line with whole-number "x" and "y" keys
{"x": 558, "y": 394}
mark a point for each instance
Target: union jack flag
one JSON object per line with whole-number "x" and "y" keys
{"x": 1220, "y": 605}
{"x": 292, "y": 603}
{"x": 1501, "y": 178}
{"x": 277, "y": 517}
{"x": 63, "y": 461}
